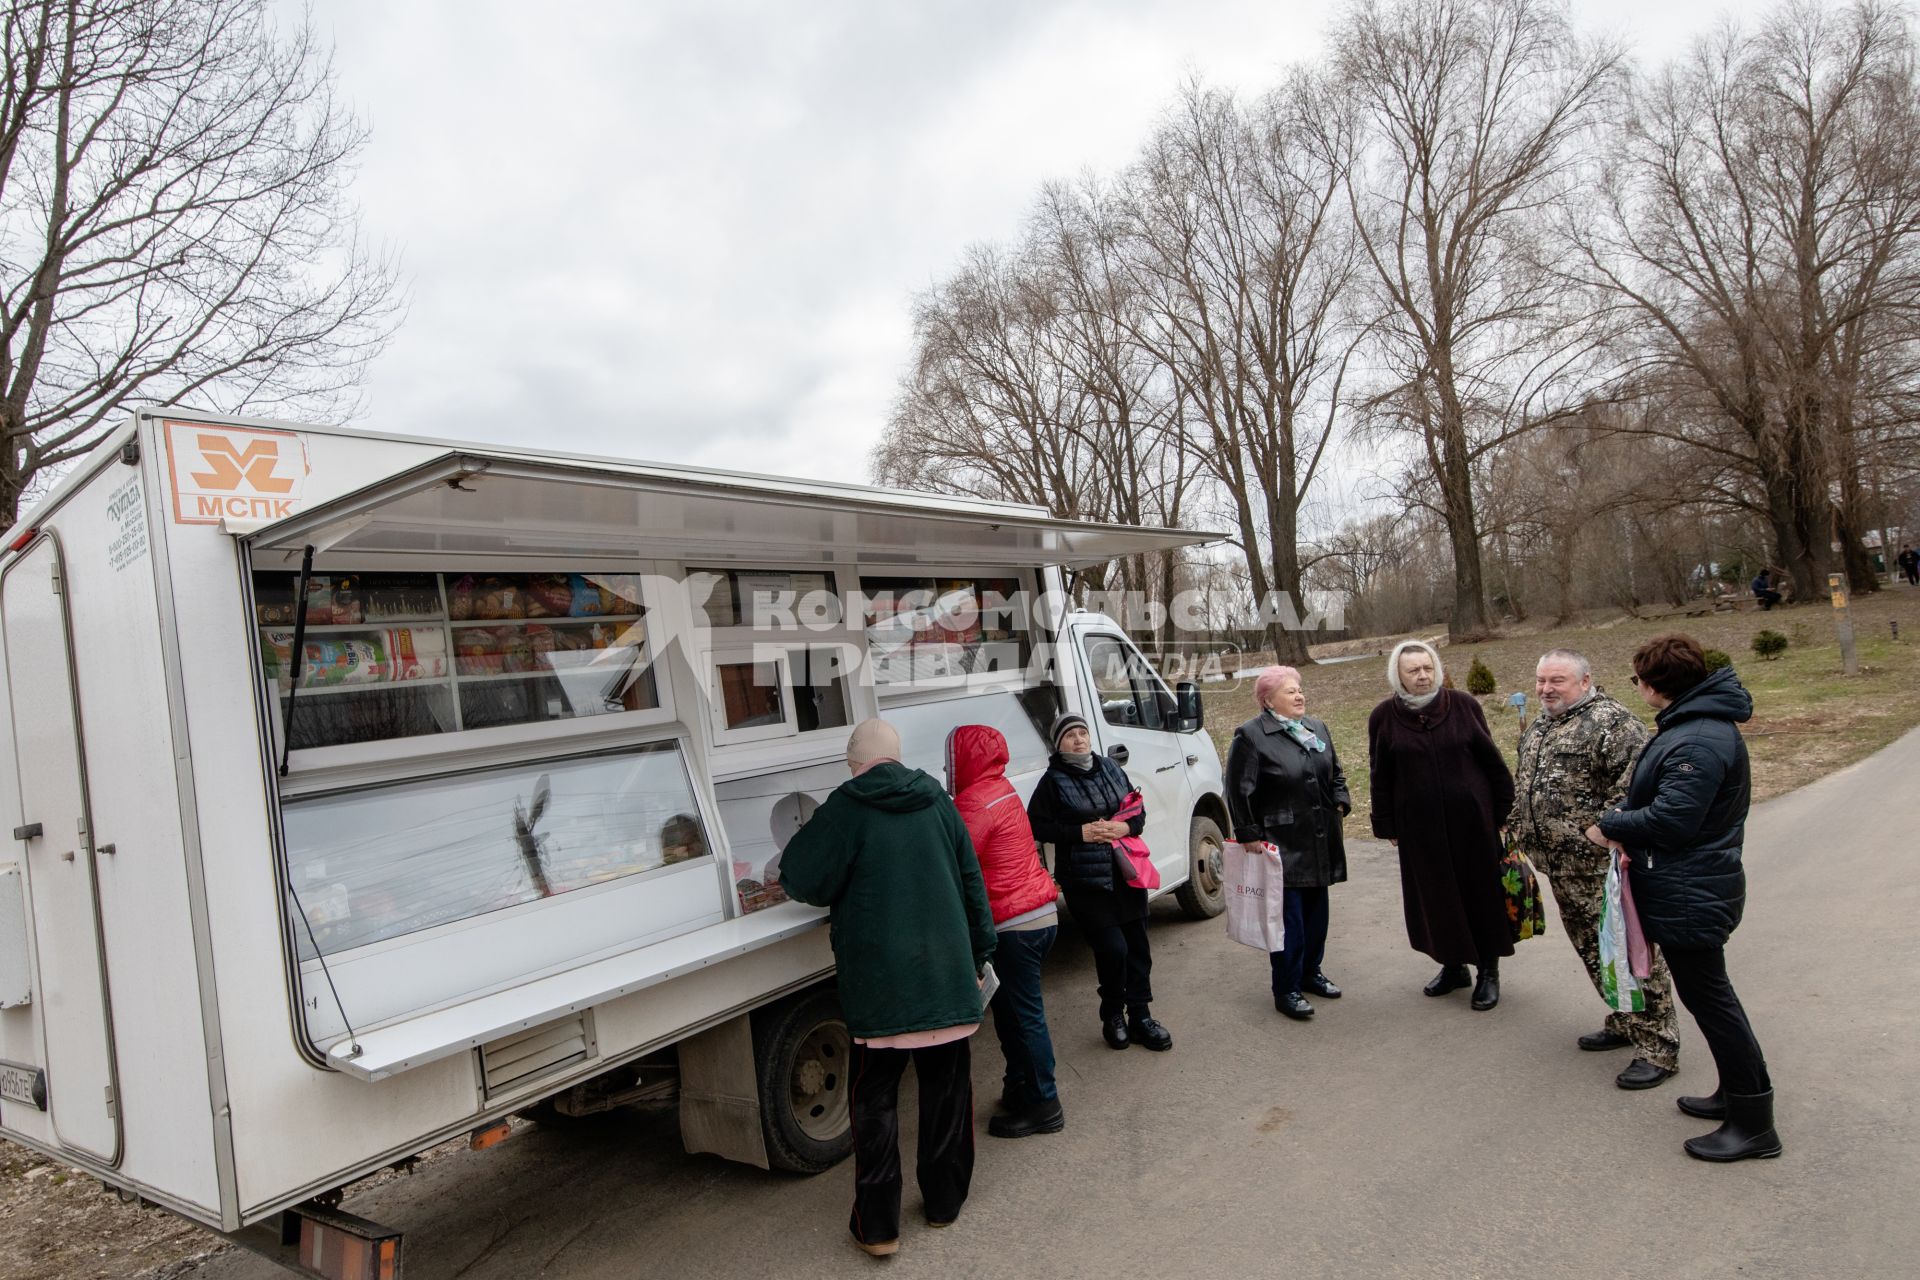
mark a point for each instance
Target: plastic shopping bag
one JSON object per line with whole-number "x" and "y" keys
{"x": 1255, "y": 884}
{"x": 1639, "y": 951}
{"x": 1526, "y": 913}
{"x": 1618, "y": 986}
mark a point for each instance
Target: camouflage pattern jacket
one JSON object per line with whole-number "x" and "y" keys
{"x": 1573, "y": 768}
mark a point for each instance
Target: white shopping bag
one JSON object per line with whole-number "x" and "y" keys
{"x": 1256, "y": 902}
{"x": 1618, "y": 986}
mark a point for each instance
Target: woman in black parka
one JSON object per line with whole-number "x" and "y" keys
{"x": 1681, "y": 828}
{"x": 1072, "y": 809}
{"x": 1285, "y": 787}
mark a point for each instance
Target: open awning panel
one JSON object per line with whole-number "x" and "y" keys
{"x": 478, "y": 504}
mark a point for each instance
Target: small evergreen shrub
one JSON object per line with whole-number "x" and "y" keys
{"x": 1769, "y": 644}
{"x": 1718, "y": 658}
{"x": 1480, "y": 681}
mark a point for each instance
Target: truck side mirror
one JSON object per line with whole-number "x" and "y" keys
{"x": 1189, "y": 713}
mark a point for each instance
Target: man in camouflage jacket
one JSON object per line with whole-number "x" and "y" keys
{"x": 1575, "y": 762}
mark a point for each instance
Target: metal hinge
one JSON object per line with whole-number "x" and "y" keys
{"x": 112, "y": 1113}
{"x": 58, "y": 589}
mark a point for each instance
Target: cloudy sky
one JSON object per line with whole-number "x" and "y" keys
{"x": 692, "y": 231}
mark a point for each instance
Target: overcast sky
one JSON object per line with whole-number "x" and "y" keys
{"x": 692, "y": 232}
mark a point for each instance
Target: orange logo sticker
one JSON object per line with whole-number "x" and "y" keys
{"x": 234, "y": 473}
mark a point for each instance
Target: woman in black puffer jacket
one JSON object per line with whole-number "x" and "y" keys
{"x": 1681, "y": 828}
{"x": 1072, "y": 809}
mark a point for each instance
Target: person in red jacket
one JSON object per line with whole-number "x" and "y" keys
{"x": 1021, "y": 895}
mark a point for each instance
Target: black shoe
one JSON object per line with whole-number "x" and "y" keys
{"x": 1451, "y": 977}
{"x": 1711, "y": 1107}
{"x": 1294, "y": 1005}
{"x": 1047, "y": 1117}
{"x": 1115, "y": 1030}
{"x": 1149, "y": 1034}
{"x": 1641, "y": 1074}
{"x": 1486, "y": 992}
{"x": 1747, "y": 1134}
{"x": 1319, "y": 985}
{"x": 1602, "y": 1040}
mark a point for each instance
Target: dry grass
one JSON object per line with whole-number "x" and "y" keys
{"x": 1809, "y": 718}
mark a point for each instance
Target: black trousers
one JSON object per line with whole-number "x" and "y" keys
{"x": 1700, "y": 980}
{"x": 1305, "y": 913}
{"x": 945, "y": 1158}
{"x": 1123, "y": 961}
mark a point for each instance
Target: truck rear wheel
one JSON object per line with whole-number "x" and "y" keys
{"x": 802, "y": 1054}
{"x": 1204, "y": 895}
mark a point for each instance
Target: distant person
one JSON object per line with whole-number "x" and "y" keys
{"x": 1909, "y": 563}
{"x": 1285, "y": 789}
{"x": 890, "y": 857}
{"x": 1440, "y": 790}
{"x": 1682, "y": 827}
{"x": 1021, "y": 895}
{"x": 1763, "y": 590}
{"x": 1575, "y": 760}
{"x": 1072, "y": 809}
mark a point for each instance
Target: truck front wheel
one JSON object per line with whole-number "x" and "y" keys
{"x": 1203, "y": 896}
{"x": 802, "y": 1053}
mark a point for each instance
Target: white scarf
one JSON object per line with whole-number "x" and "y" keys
{"x": 1416, "y": 702}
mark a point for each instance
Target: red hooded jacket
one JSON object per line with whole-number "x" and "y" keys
{"x": 997, "y": 822}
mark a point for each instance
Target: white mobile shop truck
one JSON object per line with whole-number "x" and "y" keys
{"x": 366, "y": 791}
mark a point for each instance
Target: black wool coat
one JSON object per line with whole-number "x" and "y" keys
{"x": 1684, "y": 821}
{"x": 1279, "y": 791}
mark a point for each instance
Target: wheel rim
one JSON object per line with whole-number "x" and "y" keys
{"x": 1208, "y": 872}
{"x": 817, "y": 1087}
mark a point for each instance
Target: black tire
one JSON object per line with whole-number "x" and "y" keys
{"x": 802, "y": 1053}
{"x": 1204, "y": 895}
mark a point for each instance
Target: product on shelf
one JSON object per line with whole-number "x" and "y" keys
{"x": 375, "y": 656}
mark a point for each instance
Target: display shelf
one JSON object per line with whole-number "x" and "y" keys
{"x": 338, "y": 628}
{"x": 488, "y": 677}
{"x": 371, "y": 686}
{"x": 545, "y": 622}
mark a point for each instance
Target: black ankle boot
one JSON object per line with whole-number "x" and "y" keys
{"x": 1044, "y": 1117}
{"x": 1711, "y": 1107}
{"x": 1450, "y": 978}
{"x": 1747, "y": 1134}
{"x": 1486, "y": 992}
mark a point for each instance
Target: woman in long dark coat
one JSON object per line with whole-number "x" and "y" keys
{"x": 1285, "y": 788}
{"x": 1440, "y": 791}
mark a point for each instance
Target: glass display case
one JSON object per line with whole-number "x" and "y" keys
{"x": 392, "y": 655}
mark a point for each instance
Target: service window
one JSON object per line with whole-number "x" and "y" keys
{"x": 395, "y": 655}
{"x": 382, "y": 862}
{"x": 1129, "y": 692}
{"x": 779, "y": 691}
{"x": 939, "y": 629}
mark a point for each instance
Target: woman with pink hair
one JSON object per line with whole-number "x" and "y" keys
{"x": 1286, "y": 790}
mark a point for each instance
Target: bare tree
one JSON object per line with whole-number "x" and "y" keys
{"x": 1475, "y": 108}
{"x": 172, "y": 222}
{"x": 1241, "y": 245}
{"x": 1761, "y": 216}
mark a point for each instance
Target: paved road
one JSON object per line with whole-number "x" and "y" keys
{"x": 1392, "y": 1136}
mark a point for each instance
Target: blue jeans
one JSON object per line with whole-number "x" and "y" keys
{"x": 1306, "y": 928}
{"x": 1020, "y": 1015}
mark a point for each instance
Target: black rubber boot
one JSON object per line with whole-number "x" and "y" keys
{"x": 1747, "y": 1135}
{"x": 1711, "y": 1107}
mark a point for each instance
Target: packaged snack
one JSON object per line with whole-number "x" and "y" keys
{"x": 349, "y": 605}
{"x": 276, "y": 655}
{"x": 476, "y": 651}
{"x": 516, "y": 651}
{"x": 541, "y": 643}
{"x": 460, "y": 597}
{"x": 345, "y": 660}
{"x": 498, "y": 598}
{"x": 319, "y": 600}
{"x": 585, "y": 602}
{"x": 551, "y": 594}
{"x": 417, "y": 654}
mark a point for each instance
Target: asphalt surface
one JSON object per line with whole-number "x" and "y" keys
{"x": 1394, "y": 1135}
